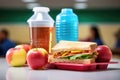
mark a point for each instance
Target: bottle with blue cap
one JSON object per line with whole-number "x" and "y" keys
{"x": 66, "y": 25}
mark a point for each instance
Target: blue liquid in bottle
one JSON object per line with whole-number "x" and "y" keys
{"x": 67, "y": 25}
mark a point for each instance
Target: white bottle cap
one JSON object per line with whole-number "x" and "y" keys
{"x": 41, "y": 9}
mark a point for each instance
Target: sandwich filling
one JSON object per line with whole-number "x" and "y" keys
{"x": 73, "y": 55}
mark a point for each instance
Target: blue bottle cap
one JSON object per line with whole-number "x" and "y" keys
{"x": 67, "y": 10}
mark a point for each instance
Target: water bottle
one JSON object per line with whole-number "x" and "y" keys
{"x": 66, "y": 25}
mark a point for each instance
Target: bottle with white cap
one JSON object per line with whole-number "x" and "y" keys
{"x": 41, "y": 25}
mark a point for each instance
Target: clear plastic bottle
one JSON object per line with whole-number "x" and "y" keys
{"x": 41, "y": 25}
{"x": 66, "y": 25}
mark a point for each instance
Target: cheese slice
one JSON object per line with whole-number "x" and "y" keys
{"x": 77, "y": 51}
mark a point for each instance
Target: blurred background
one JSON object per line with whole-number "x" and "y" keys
{"x": 103, "y": 14}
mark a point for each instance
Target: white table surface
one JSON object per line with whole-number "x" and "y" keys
{"x": 25, "y": 73}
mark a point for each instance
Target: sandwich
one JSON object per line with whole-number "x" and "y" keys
{"x": 73, "y": 52}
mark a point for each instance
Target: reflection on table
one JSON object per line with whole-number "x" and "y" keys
{"x": 25, "y": 73}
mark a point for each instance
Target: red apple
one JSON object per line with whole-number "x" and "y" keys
{"x": 37, "y": 58}
{"x": 24, "y": 46}
{"x": 104, "y": 55}
{"x": 16, "y": 57}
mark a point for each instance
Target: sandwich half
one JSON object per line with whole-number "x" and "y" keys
{"x": 73, "y": 52}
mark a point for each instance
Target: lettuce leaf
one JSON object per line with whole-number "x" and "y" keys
{"x": 81, "y": 56}
{"x": 78, "y": 56}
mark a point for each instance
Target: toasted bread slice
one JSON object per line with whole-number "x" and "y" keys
{"x": 72, "y": 45}
{"x": 77, "y": 61}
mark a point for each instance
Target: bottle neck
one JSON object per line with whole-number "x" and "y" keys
{"x": 67, "y": 10}
{"x": 41, "y": 12}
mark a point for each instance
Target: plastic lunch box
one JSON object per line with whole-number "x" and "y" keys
{"x": 82, "y": 67}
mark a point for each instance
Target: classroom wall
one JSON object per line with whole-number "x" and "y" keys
{"x": 84, "y": 15}
{"x": 20, "y": 32}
